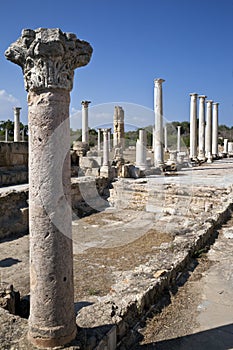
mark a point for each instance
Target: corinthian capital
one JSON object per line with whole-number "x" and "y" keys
{"x": 48, "y": 58}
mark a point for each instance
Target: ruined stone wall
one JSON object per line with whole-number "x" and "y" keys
{"x": 13, "y": 212}
{"x": 13, "y": 163}
{"x": 13, "y": 154}
{"x": 88, "y": 196}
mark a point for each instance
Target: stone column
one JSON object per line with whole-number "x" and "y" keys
{"x": 17, "y": 124}
{"x": 178, "y": 138}
{"x": 99, "y": 143}
{"x": 158, "y": 109}
{"x": 215, "y": 130}
{"x": 193, "y": 126}
{"x": 48, "y": 58}
{"x": 105, "y": 148}
{"x": 165, "y": 139}
{"x": 6, "y": 135}
{"x": 141, "y": 150}
{"x": 208, "y": 131}
{"x": 109, "y": 140}
{"x": 85, "y": 131}
{"x": 201, "y": 134}
{"x": 230, "y": 149}
{"x": 225, "y": 146}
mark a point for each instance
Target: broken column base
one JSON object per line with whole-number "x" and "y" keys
{"x": 209, "y": 158}
{"x": 51, "y": 342}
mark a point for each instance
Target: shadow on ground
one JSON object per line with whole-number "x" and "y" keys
{"x": 220, "y": 338}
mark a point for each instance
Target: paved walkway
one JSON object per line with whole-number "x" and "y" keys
{"x": 208, "y": 299}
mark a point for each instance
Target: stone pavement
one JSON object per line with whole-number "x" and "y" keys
{"x": 125, "y": 256}
{"x": 211, "y": 323}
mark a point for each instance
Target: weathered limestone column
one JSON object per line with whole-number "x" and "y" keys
{"x": 165, "y": 139}
{"x": 201, "y": 133}
{"x": 158, "y": 109}
{"x": 109, "y": 140}
{"x": 208, "y": 131}
{"x": 178, "y": 138}
{"x": 85, "y": 131}
{"x": 193, "y": 126}
{"x": 17, "y": 124}
{"x": 6, "y": 135}
{"x": 225, "y": 146}
{"x": 141, "y": 150}
{"x": 118, "y": 127}
{"x": 105, "y": 148}
{"x": 48, "y": 58}
{"x": 99, "y": 143}
{"x": 215, "y": 130}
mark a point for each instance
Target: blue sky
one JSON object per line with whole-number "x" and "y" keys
{"x": 188, "y": 43}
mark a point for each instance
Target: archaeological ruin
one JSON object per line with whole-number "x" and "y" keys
{"x": 93, "y": 236}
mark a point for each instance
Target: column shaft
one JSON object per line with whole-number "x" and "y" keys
{"x": 193, "y": 126}
{"x": 215, "y": 130}
{"x": 17, "y": 124}
{"x": 165, "y": 139}
{"x": 201, "y": 134}
{"x": 141, "y": 150}
{"x": 225, "y": 146}
{"x": 85, "y": 130}
{"x": 208, "y": 132}
{"x": 6, "y": 135}
{"x": 178, "y": 138}
{"x": 158, "y": 109}
{"x": 99, "y": 143}
{"x": 51, "y": 257}
{"x": 109, "y": 141}
{"x": 105, "y": 148}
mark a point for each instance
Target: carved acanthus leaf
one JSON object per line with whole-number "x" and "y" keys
{"x": 48, "y": 57}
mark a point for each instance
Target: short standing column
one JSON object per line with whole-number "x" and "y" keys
{"x": 165, "y": 139}
{"x": 141, "y": 150}
{"x": 208, "y": 131}
{"x": 105, "y": 148}
{"x": 85, "y": 131}
{"x": 109, "y": 140}
{"x": 215, "y": 130}
{"x": 178, "y": 138}
{"x": 48, "y": 58}
{"x": 17, "y": 124}
{"x": 193, "y": 126}
{"x": 158, "y": 109}
{"x": 6, "y": 135}
{"x": 225, "y": 146}
{"x": 201, "y": 133}
{"x": 99, "y": 144}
